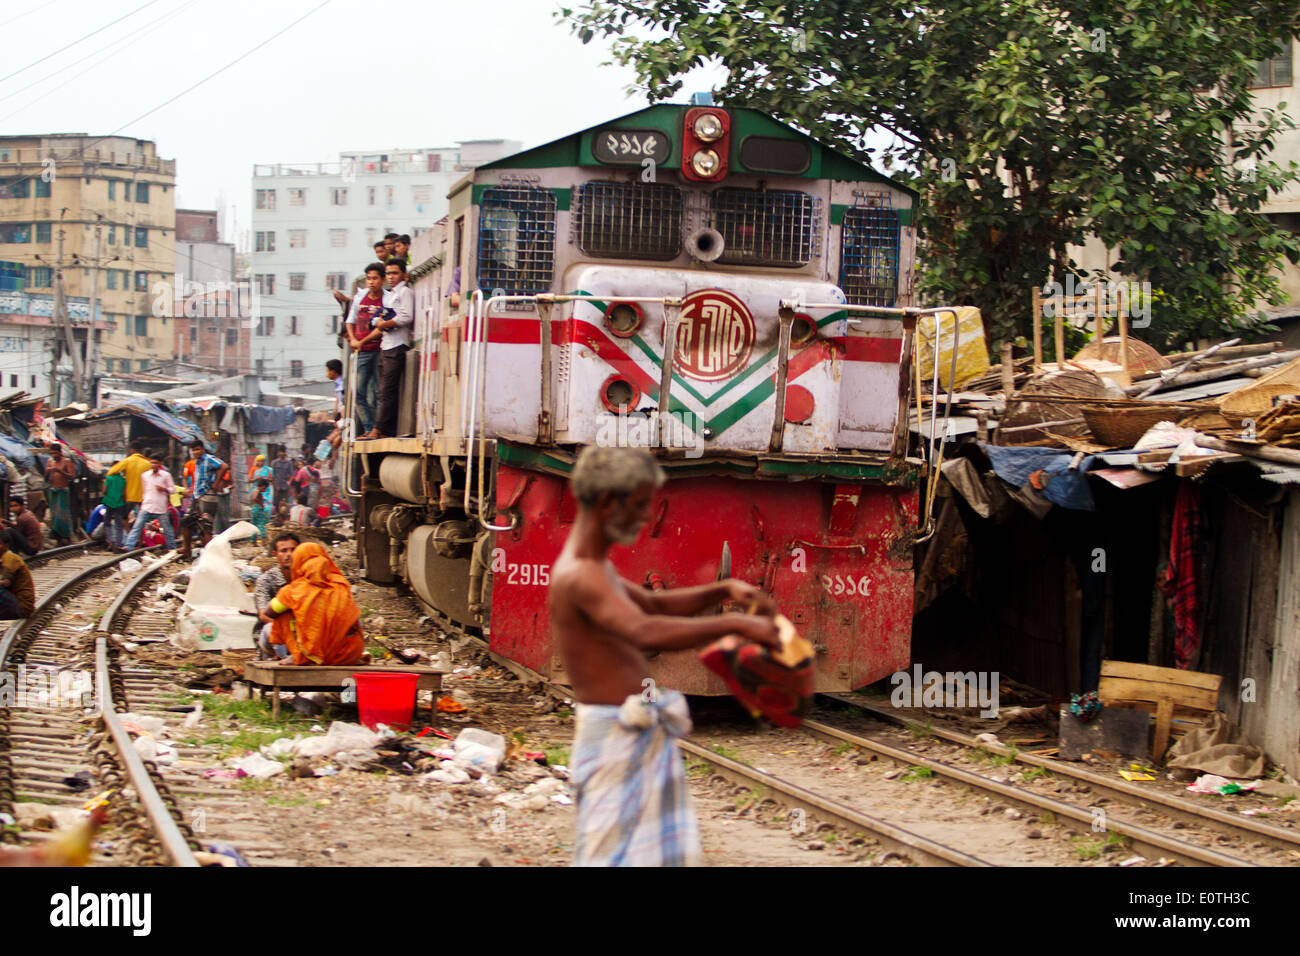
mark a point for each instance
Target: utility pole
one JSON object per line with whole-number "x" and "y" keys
{"x": 61, "y": 316}
{"x": 92, "y": 359}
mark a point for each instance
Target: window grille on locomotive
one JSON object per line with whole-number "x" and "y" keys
{"x": 765, "y": 227}
{"x": 869, "y": 255}
{"x": 516, "y": 240}
{"x": 630, "y": 220}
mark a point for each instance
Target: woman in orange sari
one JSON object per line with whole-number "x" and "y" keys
{"x": 314, "y": 615}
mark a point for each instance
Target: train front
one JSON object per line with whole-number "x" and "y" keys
{"x": 690, "y": 280}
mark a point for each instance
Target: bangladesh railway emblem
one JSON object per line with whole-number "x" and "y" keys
{"x": 715, "y": 336}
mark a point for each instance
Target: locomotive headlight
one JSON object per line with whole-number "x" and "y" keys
{"x": 708, "y": 128}
{"x": 705, "y": 163}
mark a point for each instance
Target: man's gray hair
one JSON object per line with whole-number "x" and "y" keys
{"x": 617, "y": 471}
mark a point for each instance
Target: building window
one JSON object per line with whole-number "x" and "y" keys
{"x": 334, "y": 324}
{"x": 126, "y": 279}
{"x": 141, "y": 192}
{"x": 261, "y": 366}
{"x": 265, "y": 199}
{"x": 42, "y": 189}
{"x": 13, "y": 381}
{"x": 338, "y": 238}
{"x": 338, "y": 197}
{"x": 264, "y": 242}
{"x": 371, "y": 192}
{"x": 141, "y": 326}
{"x": 337, "y": 281}
{"x": 112, "y": 189}
{"x": 264, "y": 282}
{"x": 232, "y": 337}
{"x": 141, "y": 237}
{"x": 422, "y": 193}
{"x": 295, "y": 368}
{"x": 297, "y": 197}
{"x": 142, "y": 282}
{"x": 141, "y": 364}
{"x": 434, "y": 162}
{"x": 40, "y": 278}
{"x": 297, "y": 281}
{"x": 388, "y": 195}
{"x": 112, "y": 280}
{"x": 16, "y": 232}
{"x": 266, "y": 325}
{"x": 372, "y": 236}
{"x": 17, "y": 188}
{"x": 1275, "y": 71}
{"x": 42, "y": 232}
{"x": 33, "y": 381}
{"x": 297, "y": 239}
{"x": 295, "y": 326}
{"x": 112, "y": 235}
{"x": 194, "y": 333}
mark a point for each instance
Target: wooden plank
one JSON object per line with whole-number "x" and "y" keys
{"x": 1164, "y": 714}
{"x": 1115, "y": 689}
{"x": 1171, "y": 675}
{"x": 1038, "y": 331}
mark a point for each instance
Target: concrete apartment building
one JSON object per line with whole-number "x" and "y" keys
{"x": 113, "y": 200}
{"x": 211, "y": 316}
{"x": 314, "y": 226}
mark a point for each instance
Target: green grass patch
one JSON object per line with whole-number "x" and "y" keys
{"x": 749, "y": 798}
{"x": 1035, "y": 773}
{"x": 557, "y": 755}
{"x": 698, "y": 768}
{"x": 916, "y": 773}
{"x": 254, "y": 784}
{"x": 519, "y": 736}
{"x": 276, "y": 800}
{"x": 920, "y": 731}
{"x": 1089, "y": 848}
{"x": 844, "y": 748}
{"x": 1047, "y": 818}
{"x": 723, "y": 751}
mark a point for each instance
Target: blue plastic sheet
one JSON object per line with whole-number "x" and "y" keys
{"x": 177, "y": 428}
{"x": 17, "y": 452}
{"x": 1062, "y": 485}
{"x": 269, "y": 419}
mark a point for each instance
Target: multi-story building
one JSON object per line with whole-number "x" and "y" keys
{"x": 211, "y": 309}
{"x": 314, "y": 226}
{"x": 32, "y": 344}
{"x": 111, "y": 199}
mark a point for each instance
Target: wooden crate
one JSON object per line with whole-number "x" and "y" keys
{"x": 1164, "y": 691}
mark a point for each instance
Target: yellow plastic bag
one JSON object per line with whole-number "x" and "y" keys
{"x": 972, "y": 352}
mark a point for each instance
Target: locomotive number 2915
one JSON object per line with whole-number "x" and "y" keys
{"x": 840, "y": 585}
{"x": 529, "y": 575}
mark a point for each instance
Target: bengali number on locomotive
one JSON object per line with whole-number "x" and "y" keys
{"x": 715, "y": 336}
{"x": 841, "y": 586}
{"x": 630, "y": 147}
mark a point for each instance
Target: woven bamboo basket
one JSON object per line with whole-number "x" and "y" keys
{"x": 236, "y": 658}
{"x": 1122, "y": 427}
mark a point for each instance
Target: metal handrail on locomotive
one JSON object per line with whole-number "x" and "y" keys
{"x": 545, "y": 304}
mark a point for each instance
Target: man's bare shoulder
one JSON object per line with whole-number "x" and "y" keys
{"x": 576, "y": 577}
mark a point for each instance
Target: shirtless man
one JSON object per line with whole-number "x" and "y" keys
{"x": 633, "y": 805}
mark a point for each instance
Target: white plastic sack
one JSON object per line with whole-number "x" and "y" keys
{"x": 214, "y": 581}
{"x": 481, "y": 749}
{"x": 154, "y": 726}
{"x": 342, "y": 737}
{"x": 255, "y": 765}
{"x": 214, "y": 628}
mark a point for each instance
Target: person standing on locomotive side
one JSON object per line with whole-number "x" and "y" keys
{"x": 634, "y": 807}
{"x": 402, "y": 249}
{"x": 364, "y": 339}
{"x": 393, "y": 345}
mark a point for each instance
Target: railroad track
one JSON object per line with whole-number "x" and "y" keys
{"x": 1169, "y": 813}
{"x": 72, "y": 728}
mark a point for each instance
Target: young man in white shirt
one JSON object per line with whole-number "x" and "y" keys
{"x": 399, "y": 312}
{"x": 157, "y": 486}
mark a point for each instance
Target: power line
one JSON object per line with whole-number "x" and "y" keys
{"x": 28, "y": 13}
{"x": 69, "y": 46}
{"x": 119, "y": 42}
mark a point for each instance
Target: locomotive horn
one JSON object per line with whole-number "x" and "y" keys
{"x": 705, "y": 244}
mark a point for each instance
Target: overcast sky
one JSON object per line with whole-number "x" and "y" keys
{"x": 353, "y": 75}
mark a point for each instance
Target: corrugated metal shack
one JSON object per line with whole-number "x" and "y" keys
{"x": 1124, "y": 505}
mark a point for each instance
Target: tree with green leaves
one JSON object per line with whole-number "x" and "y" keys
{"x": 1028, "y": 127}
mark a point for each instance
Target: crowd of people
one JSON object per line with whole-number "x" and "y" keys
{"x": 378, "y": 319}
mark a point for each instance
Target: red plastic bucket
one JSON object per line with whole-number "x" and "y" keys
{"x": 386, "y": 699}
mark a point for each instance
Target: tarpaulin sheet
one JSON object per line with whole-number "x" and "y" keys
{"x": 1061, "y": 485}
{"x": 17, "y": 452}
{"x": 268, "y": 419}
{"x": 177, "y": 428}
